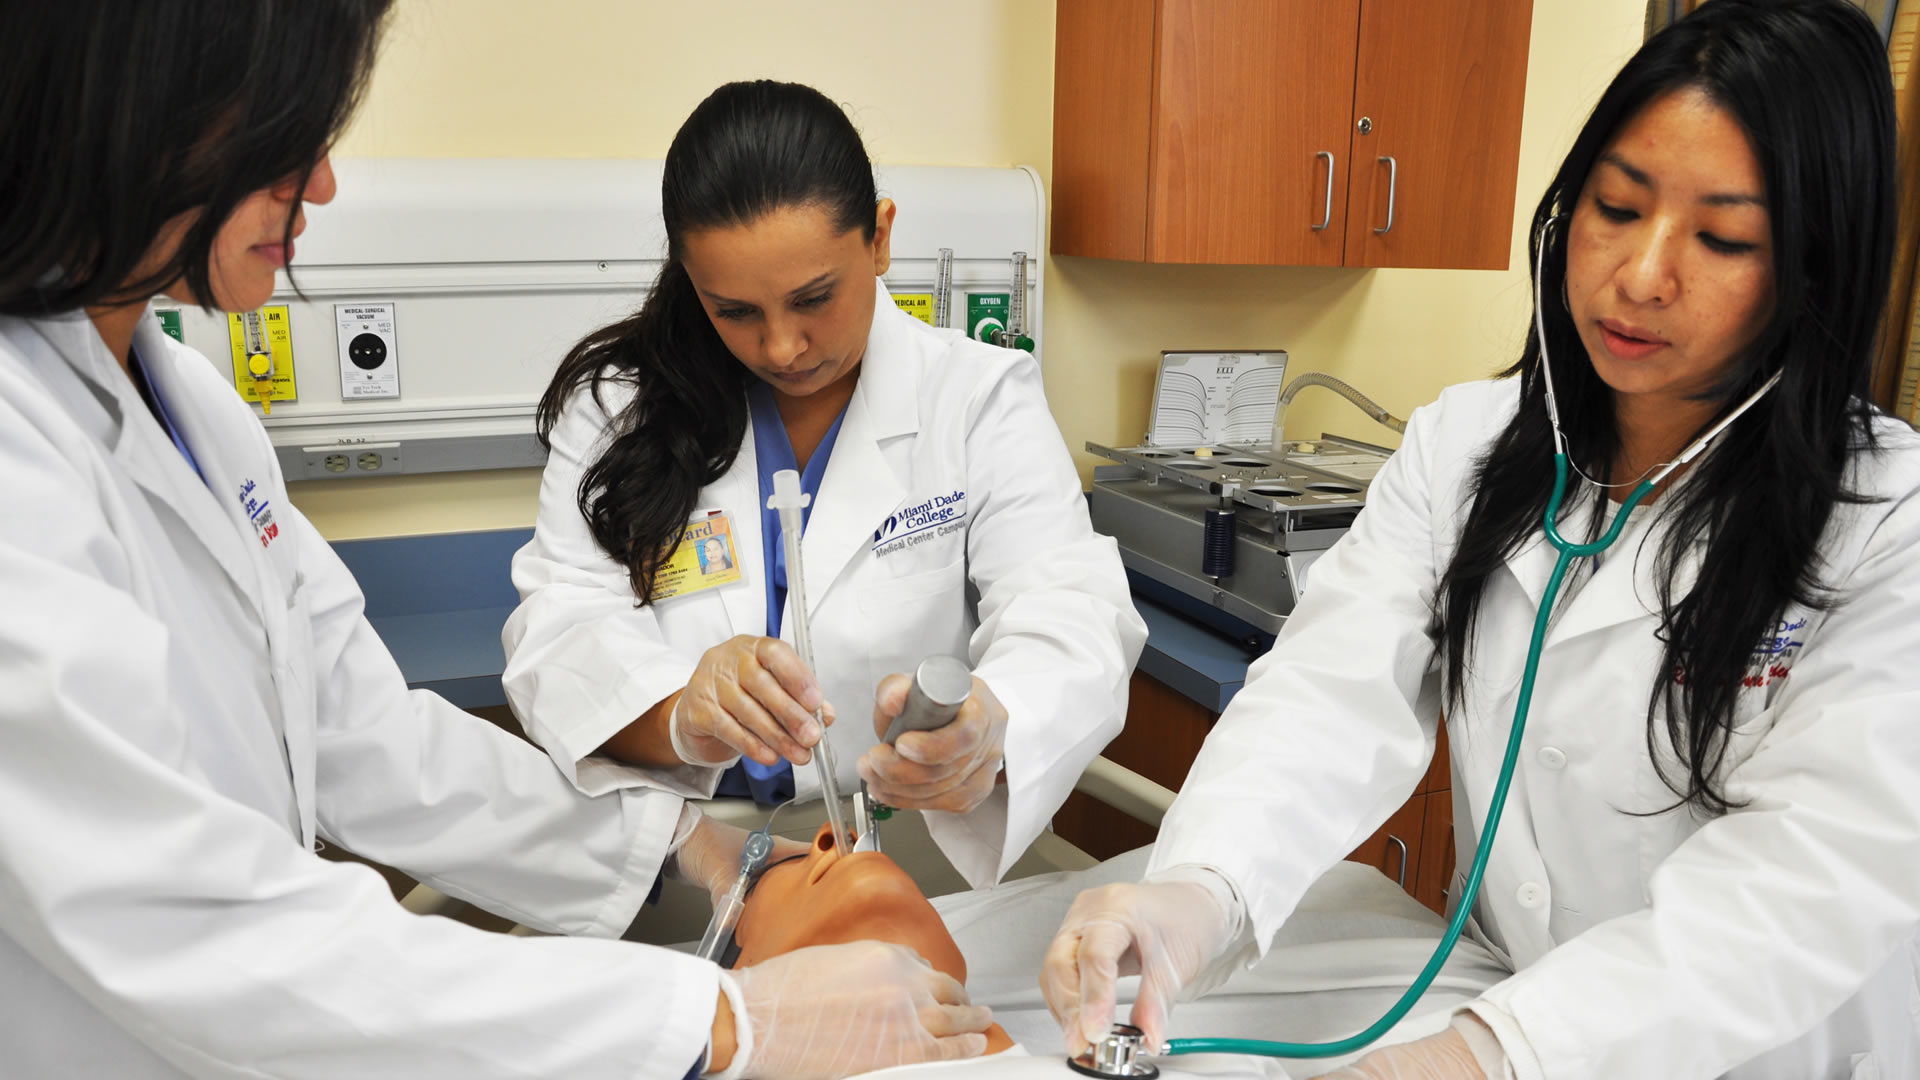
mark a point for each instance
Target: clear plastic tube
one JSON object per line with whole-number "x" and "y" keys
{"x": 726, "y": 916}
{"x": 789, "y": 500}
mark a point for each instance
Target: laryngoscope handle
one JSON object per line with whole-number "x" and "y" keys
{"x": 940, "y": 686}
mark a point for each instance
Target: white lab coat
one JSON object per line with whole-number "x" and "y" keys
{"x": 1775, "y": 942}
{"x": 190, "y": 699}
{"x": 934, "y": 415}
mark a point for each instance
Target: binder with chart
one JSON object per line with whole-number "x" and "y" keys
{"x": 1216, "y": 397}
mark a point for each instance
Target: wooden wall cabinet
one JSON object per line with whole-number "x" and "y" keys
{"x": 1288, "y": 132}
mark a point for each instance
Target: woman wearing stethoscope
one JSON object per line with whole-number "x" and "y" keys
{"x": 1710, "y": 861}
{"x": 945, "y": 516}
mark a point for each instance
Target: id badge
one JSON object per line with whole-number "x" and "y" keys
{"x": 705, "y": 558}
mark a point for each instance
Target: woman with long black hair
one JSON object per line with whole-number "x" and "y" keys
{"x": 1710, "y": 860}
{"x": 191, "y": 703}
{"x": 946, "y": 516}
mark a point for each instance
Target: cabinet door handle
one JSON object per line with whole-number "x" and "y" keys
{"x": 1402, "y": 845}
{"x": 1326, "y": 210}
{"x": 1393, "y": 182}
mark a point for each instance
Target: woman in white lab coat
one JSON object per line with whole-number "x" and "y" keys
{"x": 191, "y": 703}
{"x": 946, "y": 516}
{"x": 1710, "y": 861}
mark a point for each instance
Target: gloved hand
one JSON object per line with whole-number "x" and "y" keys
{"x": 1445, "y": 1056}
{"x": 710, "y": 855}
{"x": 748, "y": 695}
{"x": 949, "y": 768}
{"x": 836, "y": 1010}
{"x": 1164, "y": 932}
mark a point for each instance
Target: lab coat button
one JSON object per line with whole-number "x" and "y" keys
{"x": 1530, "y": 895}
{"x": 1553, "y": 757}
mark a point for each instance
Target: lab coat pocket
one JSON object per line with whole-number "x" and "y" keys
{"x": 912, "y": 617}
{"x": 886, "y": 595}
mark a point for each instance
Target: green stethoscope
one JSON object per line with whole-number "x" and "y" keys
{"x": 1569, "y": 551}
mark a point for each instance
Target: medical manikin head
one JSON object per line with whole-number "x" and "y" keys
{"x": 827, "y": 898}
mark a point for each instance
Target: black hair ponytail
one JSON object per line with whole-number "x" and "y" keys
{"x": 749, "y": 149}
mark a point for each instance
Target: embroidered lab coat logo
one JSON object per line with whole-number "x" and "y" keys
{"x": 913, "y": 525}
{"x": 1773, "y": 656}
{"x": 259, "y": 514}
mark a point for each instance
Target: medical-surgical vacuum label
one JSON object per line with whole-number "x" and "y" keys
{"x": 369, "y": 350}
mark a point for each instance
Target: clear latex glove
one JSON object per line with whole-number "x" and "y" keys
{"x": 750, "y": 696}
{"x": 709, "y": 857}
{"x": 837, "y": 1010}
{"x": 1165, "y": 932}
{"x": 1445, "y": 1056}
{"x": 950, "y": 768}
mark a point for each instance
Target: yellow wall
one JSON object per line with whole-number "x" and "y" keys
{"x": 967, "y": 82}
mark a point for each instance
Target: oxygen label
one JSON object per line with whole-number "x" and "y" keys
{"x": 986, "y": 312}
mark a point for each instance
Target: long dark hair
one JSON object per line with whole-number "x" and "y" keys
{"x": 116, "y": 118}
{"x": 1808, "y": 83}
{"x": 749, "y": 149}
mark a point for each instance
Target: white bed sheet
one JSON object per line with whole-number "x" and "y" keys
{"x": 1351, "y": 949}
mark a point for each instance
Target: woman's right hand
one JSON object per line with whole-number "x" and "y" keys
{"x": 1164, "y": 932}
{"x": 837, "y": 1010}
{"x": 750, "y": 696}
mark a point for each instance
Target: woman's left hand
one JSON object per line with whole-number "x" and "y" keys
{"x": 949, "y": 768}
{"x": 1445, "y": 1056}
{"x": 709, "y": 858}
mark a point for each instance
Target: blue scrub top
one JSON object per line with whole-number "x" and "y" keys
{"x": 773, "y": 451}
{"x": 150, "y": 394}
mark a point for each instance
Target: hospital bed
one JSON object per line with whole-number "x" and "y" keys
{"x": 1347, "y": 954}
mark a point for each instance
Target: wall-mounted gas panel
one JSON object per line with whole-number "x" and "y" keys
{"x": 436, "y": 296}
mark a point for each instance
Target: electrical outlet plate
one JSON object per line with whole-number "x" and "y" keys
{"x": 345, "y": 461}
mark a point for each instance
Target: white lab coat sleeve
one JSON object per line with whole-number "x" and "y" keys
{"x": 204, "y": 928}
{"x": 1058, "y": 634}
{"x": 1324, "y": 741}
{"x": 1768, "y": 918}
{"x": 584, "y": 660}
{"x": 406, "y": 779}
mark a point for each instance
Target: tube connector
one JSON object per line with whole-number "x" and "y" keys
{"x": 786, "y": 492}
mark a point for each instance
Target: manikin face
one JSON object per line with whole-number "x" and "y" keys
{"x": 830, "y": 899}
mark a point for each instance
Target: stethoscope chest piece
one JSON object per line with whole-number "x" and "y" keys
{"x": 1115, "y": 1056}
